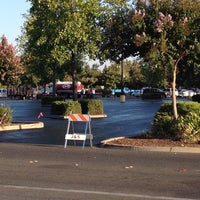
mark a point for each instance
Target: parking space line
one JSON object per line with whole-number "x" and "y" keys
{"x": 93, "y": 192}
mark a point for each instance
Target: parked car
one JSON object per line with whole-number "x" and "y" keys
{"x": 45, "y": 91}
{"x": 153, "y": 93}
{"x": 186, "y": 93}
{"x": 136, "y": 93}
{"x": 126, "y": 90}
{"x": 3, "y": 92}
{"x": 168, "y": 92}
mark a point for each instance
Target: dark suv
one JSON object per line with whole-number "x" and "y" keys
{"x": 153, "y": 93}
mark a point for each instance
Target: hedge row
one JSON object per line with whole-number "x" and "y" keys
{"x": 49, "y": 99}
{"x": 64, "y": 108}
{"x": 93, "y": 107}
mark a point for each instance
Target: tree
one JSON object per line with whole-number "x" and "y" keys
{"x": 10, "y": 63}
{"x": 118, "y": 34}
{"x": 111, "y": 76}
{"x": 189, "y": 72}
{"x": 114, "y": 35}
{"x": 164, "y": 38}
{"x": 90, "y": 77}
{"x": 38, "y": 41}
{"x": 136, "y": 75}
{"x": 59, "y": 32}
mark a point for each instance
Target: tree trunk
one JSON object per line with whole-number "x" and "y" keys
{"x": 174, "y": 103}
{"x": 122, "y": 77}
{"x": 174, "y": 65}
{"x": 74, "y": 74}
{"x": 54, "y": 80}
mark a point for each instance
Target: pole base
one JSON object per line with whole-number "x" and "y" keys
{"x": 122, "y": 98}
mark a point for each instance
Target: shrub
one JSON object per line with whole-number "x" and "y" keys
{"x": 189, "y": 127}
{"x": 185, "y": 128}
{"x": 49, "y": 99}
{"x": 5, "y": 115}
{"x": 39, "y": 96}
{"x": 92, "y": 106}
{"x": 106, "y": 92}
{"x": 163, "y": 126}
{"x": 186, "y": 107}
{"x": 196, "y": 98}
{"x": 64, "y": 108}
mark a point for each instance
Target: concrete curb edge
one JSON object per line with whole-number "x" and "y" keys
{"x": 105, "y": 143}
{"x": 22, "y": 126}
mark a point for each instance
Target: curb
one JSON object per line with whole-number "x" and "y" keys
{"x": 22, "y": 126}
{"x": 105, "y": 144}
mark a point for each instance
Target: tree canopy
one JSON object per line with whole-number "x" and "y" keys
{"x": 164, "y": 34}
{"x": 57, "y": 33}
{"x": 10, "y": 63}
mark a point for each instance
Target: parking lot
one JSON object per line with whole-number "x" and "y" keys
{"x": 123, "y": 119}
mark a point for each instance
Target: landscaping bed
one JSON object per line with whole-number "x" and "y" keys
{"x": 131, "y": 141}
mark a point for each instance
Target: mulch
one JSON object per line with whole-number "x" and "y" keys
{"x": 152, "y": 142}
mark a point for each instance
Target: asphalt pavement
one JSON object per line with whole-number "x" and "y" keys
{"x": 123, "y": 119}
{"x": 36, "y": 171}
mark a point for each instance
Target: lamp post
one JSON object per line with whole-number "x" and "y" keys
{"x": 122, "y": 95}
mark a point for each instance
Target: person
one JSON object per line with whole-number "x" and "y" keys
{"x": 83, "y": 93}
{"x": 93, "y": 93}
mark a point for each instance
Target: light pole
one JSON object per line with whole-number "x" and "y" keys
{"x": 122, "y": 95}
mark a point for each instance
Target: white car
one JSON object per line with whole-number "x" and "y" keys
{"x": 191, "y": 93}
{"x": 136, "y": 93}
{"x": 186, "y": 93}
{"x": 168, "y": 92}
{"x": 46, "y": 91}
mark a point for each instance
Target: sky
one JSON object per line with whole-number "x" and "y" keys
{"x": 11, "y": 18}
